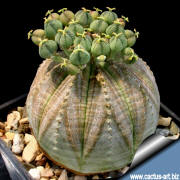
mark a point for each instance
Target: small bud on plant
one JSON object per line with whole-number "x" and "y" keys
{"x": 47, "y": 48}
{"x": 83, "y": 17}
{"x": 37, "y": 36}
{"x": 121, "y": 22}
{"x": 66, "y": 16}
{"x": 100, "y": 47}
{"x": 66, "y": 39}
{"x": 79, "y": 57}
{"x": 131, "y": 37}
{"x": 53, "y": 16}
{"x": 109, "y": 16}
{"x": 100, "y": 60}
{"x": 85, "y": 42}
{"x": 99, "y": 26}
{"x": 94, "y": 14}
{"x": 118, "y": 42}
{"x": 57, "y": 37}
{"x": 51, "y": 28}
{"x": 75, "y": 28}
{"x": 129, "y": 56}
{"x": 116, "y": 27}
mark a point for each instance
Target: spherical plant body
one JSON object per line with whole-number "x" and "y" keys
{"x": 93, "y": 100}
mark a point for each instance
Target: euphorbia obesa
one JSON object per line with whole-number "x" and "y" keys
{"x": 93, "y": 100}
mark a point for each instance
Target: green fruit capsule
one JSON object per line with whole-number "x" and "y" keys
{"x": 109, "y": 16}
{"x": 123, "y": 39}
{"x": 37, "y": 36}
{"x": 94, "y": 14}
{"x": 100, "y": 47}
{"x": 66, "y": 39}
{"x": 128, "y": 51}
{"x": 114, "y": 28}
{"x": 57, "y": 58}
{"x": 47, "y": 48}
{"x": 131, "y": 37}
{"x": 89, "y": 38}
{"x": 75, "y": 28}
{"x": 57, "y": 37}
{"x": 129, "y": 56}
{"x": 79, "y": 57}
{"x": 66, "y": 16}
{"x": 98, "y": 26}
{"x": 84, "y": 41}
{"x": 51, "y": 28}
{"x": 118, "y": 42}
{"x": 53, "y": 16}
{"x": 122, "y": 22}
{"x": 83, "y": 17}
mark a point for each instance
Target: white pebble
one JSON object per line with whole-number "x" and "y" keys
{"x": 18, "y": 143}
{"x": 63, "y": 175}
{"x": 164, "y": 121}
{"x": 40, "y": 168}
{"x": 35, "y": 173}
{"x": 12, "y": 120}
{"x": 30, "y": 151}
{"x": 28, "y": 138}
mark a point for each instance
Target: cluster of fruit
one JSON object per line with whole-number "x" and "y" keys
{"x": 87, "y": 36}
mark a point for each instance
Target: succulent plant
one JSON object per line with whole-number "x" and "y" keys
{"x": 93, "y": 100}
